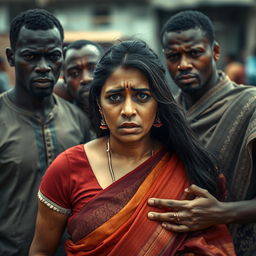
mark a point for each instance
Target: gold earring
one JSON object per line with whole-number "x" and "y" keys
{"x": 157, "y": 123}
{"x": 103, "y": 124}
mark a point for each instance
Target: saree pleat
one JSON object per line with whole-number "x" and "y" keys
{"x": 210, "y": 242}
{"x": 130, "y": 232}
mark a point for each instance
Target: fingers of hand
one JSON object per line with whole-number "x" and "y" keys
{"x": 167, "y": 203}
{"x": 174, "y": 217}
{"x": 184, "y": 227}
{"x": 197, "y": 191}
{"x": 175, "y": 228}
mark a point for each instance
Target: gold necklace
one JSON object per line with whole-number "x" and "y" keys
{"x": 110, "y": 167}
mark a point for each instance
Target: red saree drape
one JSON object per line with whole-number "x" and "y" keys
{"x": 105, "y": 228}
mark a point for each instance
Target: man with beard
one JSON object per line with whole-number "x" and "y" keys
{"x": 35, "y": 125}
{"x": 222, "y": 115}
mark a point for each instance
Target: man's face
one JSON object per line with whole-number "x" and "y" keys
{"x": 191, "y": 59}
{"x": 38, "y": 60}
{"x": 79, "y": 66}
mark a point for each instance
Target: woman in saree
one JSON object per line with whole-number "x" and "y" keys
{"x": 144, "y": 149}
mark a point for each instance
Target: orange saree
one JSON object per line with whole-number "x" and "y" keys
{"x": 128, "y": 231}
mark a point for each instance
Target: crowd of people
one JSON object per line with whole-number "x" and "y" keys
{"x": 106, "y": 161}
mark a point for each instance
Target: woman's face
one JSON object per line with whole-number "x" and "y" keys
{"x": 127, "y": 104}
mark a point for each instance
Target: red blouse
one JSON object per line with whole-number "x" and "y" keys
{"x": 69, "y": 182}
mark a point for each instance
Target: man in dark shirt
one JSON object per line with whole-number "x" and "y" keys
{"x": 35, "y": 125}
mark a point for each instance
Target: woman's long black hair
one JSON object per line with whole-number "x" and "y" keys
{"x": 175, "y": 132}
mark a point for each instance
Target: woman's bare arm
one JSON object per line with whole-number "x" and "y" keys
{"x": 50, "y": 226}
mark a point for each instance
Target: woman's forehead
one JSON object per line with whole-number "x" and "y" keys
{"x": 126, "y": 76}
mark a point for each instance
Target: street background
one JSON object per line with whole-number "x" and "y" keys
{"x": 106, "y": 21}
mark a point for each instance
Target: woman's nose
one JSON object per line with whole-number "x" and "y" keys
{"x": 128, "y": 109}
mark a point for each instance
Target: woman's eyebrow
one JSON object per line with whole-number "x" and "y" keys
{"x": 133, "y": 89}
{"x": 115, "y": 90}
{"x": 140, "y": 89}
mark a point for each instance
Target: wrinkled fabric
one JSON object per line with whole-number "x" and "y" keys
{"x": 224, "y": 119}
{"x": 129, "y": 230}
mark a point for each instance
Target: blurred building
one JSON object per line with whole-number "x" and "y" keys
{"x": 106, "y": 21}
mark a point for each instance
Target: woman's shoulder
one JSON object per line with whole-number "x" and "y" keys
{"x": 64, "y": 161}
{"x": 78, "y": 149}
{"x": 95, "y": 151}
{"x": 95, "y": 146}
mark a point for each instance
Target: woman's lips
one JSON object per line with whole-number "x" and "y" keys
{"x": 128, "y": 125}
{"x": 129, "y": 128}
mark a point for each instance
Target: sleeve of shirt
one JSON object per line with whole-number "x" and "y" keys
{"x": 54, "y": 189}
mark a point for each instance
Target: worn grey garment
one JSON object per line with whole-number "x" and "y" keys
{"x": 224, "y": 119}
{"x": 27, "y": 147}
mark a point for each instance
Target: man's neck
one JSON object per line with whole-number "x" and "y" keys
{"x": 191, "y": 98}
{"x": 40, "y": 106}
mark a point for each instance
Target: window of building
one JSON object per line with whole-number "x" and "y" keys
{"x": 101, "y": 17}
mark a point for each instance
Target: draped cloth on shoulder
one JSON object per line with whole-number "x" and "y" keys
{"x": 103, "y": 228}
{"x": 224, "y": 119}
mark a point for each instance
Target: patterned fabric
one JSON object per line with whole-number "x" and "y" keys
{"x": 52, "y": 205}
{"x": 69, "y": 184}
{"x": 225, "y": 121}
{"x": 127, "y": 229}
{"x": 27, "y": 147}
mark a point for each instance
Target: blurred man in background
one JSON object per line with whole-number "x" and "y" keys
{"x": 235, "y": 69}
{"x": 80, "y": 61}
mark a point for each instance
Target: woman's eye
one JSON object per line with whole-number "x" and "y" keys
{"x": 115, "y": 98}
{"x": 143, "y": 97}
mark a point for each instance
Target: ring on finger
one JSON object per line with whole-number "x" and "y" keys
{"x": 177, "y": 217}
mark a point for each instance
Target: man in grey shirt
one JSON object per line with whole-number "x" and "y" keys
{"x": 35, "y": 124}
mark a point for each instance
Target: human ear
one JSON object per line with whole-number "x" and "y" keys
{"x": 216, "y": 51}
{"x": 10, "y": 56}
